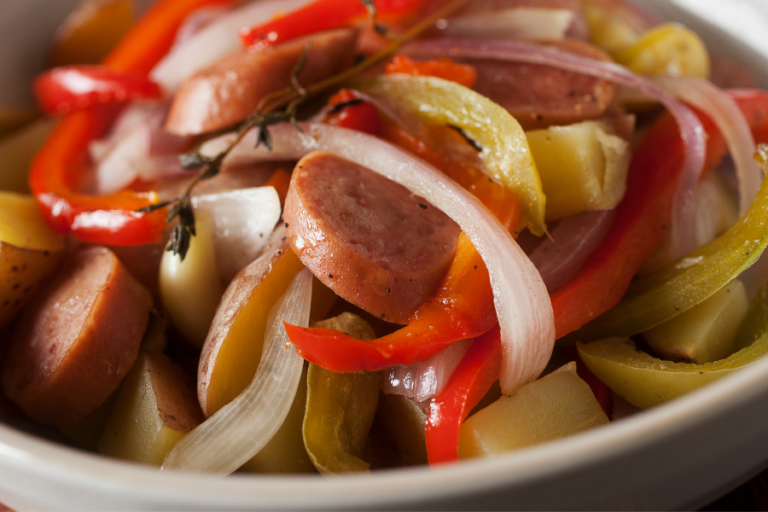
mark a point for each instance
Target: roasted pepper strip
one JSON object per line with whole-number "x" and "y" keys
{"x": 56, "y": 172}
{"x": 646, "y": 381}
{"x": 505, "y": 149}
{"x": 340, "y": 408}
{"x": 639, "y": 226}
{"x": 461, "y": 309}
{"x": 322, "y": 15}
{"x": 471, "y": 380}
{"x": 462, "y": 74}
{"x": 681, "y": 285}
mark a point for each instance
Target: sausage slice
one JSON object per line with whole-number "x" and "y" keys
{"x": 541, "y": 96}
{"x": 78, "y": 339}
{"x": 367, "y": 238}
{"x": 230, "y": 90}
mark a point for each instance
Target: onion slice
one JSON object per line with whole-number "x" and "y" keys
{"x": 242, "y": 221}
{"x": 691, "y": 130}
{"x": 239, "y": 430}
{"x": 516, "y": 23}
{"x": 559, "y": 258}
{"x": 521, "y": 299}
{"x": 215, "y": 41}
{"x": 730, "y": 121}
{"x": 425, "y": 380}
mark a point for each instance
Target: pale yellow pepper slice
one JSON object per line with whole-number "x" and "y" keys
{"x": 505, "y": 150}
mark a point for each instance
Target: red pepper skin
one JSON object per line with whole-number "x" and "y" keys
{"x": 69, "y": 88}
{"x": 57, "y": 170}
{"x": 322, "y": 15}
{"x": 361, "y": 116}
{"x": 471, "y": 380}
{"x": 462, "y": 74}
{"x": 462, "y": 309}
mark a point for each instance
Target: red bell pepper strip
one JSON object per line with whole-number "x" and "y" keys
{"x": 462, "y": 74}
{"x": 471, "y": 380}
{"x": 351, "y": 112}
{"x": 323, "y": 15}
{"x": 461, "y": 309}
{"x": 57, "y": 170}
{"x": 69, "y": 88}
{"x": 643, "y": 215}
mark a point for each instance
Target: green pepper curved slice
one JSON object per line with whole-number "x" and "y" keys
{"x": 683, "y": 284}
{"x": 340, "y": 407}
{"x": 505, "y": 149}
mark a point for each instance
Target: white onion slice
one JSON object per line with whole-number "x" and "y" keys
{"x": 692, "y": 133}
{"x": 730, "y": 121}
{"x": 243, "y": 220}
{"x": 239, "y": 430}
{"x": 216, "y": 41}
{"x": 516, "y": 23}
{"x": 425, "y": 380}
{"x": 573, "y": 240}
{"x": 196, "y": 21}
{"x": 521, "y": 299}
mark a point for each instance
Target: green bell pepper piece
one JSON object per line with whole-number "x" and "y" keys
{"x": 340, "y": 407}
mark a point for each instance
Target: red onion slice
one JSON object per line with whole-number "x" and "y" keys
{"x": 216, "y": 41}
{"x": 426, "y": 380}
{"x": 729, "y": 119}
{"x": 572, "y": 241}
{"x": 522, "y": 302}
{"x": 517, "y": 23}
{"x": 237, "y": 432}
{"x": 691, "y": 131}
{"x": 197, "y": 21}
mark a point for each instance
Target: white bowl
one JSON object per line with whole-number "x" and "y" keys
{"x": 680, "y": 455}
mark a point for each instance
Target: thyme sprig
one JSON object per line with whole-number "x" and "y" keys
{"x": 277, "y": 107}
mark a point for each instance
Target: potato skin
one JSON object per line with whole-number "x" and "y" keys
{"x": 72, "y": 347}
{"x": 22, "y": 271}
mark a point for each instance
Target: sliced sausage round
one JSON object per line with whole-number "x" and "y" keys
{"x": 367, "y": 238}
{"x": 74, "y": 344}
{"x": 230, "y": 90}
{"x": 541, "y": 96}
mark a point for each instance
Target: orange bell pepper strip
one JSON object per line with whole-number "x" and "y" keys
{"x": 58, "y": 168}
{"x": 323, "y": 15}
{"x": 462, "y": 74}
{"x": 476, "y": 373}
{"x": 461, "y": 309}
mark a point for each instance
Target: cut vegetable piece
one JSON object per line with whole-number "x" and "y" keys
{"x": 239, "y": 430}
{"x": 340, "y": 407}
{"x": 17, "y": 152}
{"x": 404, "y": 420}
{"x": 670, "y": 49}
{"x": 558, "y": 405}
{"x": 676, "y": 288}
{"x": 285, "y": 452}
{"x": 191, "y": 289}
{"x": 755, "y": 322}
{"x": 22, "y": 225}
{"x": 645, "y": 381}
{"x": 704, "y": 333}
{"x": 90, "y": 32}
{"x": 505, "y": 149}
{"x": 233, "y": 349}
{"x": 155, "y": 408}
{"x": 583, "y": 167}
{"x": 608, "y": 31}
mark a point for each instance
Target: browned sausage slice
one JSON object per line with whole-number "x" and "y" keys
{"x": 230, "y": 90}
{"x": 77, "y": 340}
{"x": 540, "y": 96}
{"x": 367, "y": 238}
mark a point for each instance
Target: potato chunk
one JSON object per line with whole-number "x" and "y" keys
{"x": 555, "y": 406}
{"x": 155, "y": 408}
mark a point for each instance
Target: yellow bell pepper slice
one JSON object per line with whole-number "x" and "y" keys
{"x": 505, "y": 149}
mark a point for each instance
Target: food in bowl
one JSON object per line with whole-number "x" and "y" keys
{"x": 416, "y": 198}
